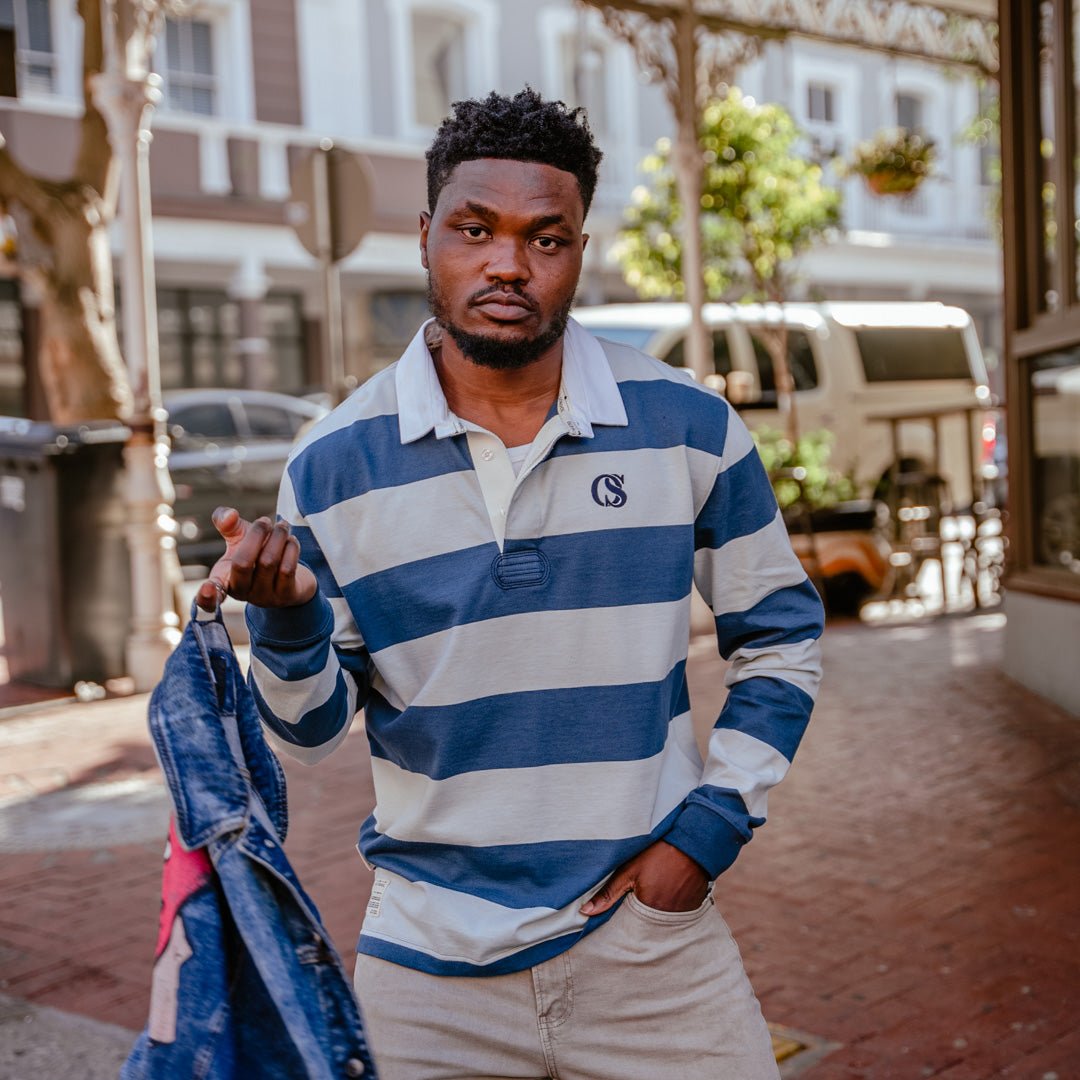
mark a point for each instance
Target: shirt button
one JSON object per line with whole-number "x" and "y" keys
{"x": 354, "y": 1067}
{"x": 487, "y": 455}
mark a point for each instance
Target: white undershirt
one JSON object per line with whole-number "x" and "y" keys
{"x": 517, "y": 455}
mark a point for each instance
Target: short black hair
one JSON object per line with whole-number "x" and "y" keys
{"x": 524, "y": 127}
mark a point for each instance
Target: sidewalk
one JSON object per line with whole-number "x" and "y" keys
{"x": 913, "y": 899}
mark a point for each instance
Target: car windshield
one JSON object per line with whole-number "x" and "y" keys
{"x": 636, "y": 336}
{"x": 906, "y": 353}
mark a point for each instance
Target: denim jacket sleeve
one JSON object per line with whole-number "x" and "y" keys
{"x": 309, "y": 667}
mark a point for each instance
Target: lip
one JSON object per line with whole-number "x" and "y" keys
{"x": 505, "y": 308}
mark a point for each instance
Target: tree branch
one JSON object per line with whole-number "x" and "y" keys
{"x": 17, "y": 185}
{"x": 94, "y": 161}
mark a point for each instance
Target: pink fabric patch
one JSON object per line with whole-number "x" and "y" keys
{"x": 185, "y": 873}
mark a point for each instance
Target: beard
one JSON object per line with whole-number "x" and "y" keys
{"x": 490, "y": 350}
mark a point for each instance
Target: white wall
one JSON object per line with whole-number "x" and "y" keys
{"x": 1041, "y": 637}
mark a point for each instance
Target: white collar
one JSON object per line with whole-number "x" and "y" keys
{"x": 588, "y": 395}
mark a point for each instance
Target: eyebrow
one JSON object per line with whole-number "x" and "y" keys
{"x": 487, "y": 213}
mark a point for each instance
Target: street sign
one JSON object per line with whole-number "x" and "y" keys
{"x": 339, "y": 181}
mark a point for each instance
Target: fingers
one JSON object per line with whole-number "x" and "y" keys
{"x": 245, "y": 557}
{"x": 229, "y": 523}
{"x": 210, "y": 594}
{"x": 620, "y": 883}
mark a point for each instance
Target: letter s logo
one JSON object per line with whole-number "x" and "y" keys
{"x": 607, "y": 490}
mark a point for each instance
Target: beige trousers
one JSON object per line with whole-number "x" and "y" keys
{"x": 650, "y": 995}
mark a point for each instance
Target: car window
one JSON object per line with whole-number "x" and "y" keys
{"x": 800, "y": 359}
{"x": 907, "y": 353}
{"x": 206, "y": 420}
{"x": 676, "y": 355}
{"x": 272, "y": 421}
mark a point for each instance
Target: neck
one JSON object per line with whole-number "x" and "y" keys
{"x": 512, "y": 404}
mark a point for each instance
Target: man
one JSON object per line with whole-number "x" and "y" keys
{"x": 491, "y": 548}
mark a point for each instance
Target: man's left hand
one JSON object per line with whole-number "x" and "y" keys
{"x": 660, "y": 877}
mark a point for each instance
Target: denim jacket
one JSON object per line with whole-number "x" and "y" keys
{"x": 246, "y": 981}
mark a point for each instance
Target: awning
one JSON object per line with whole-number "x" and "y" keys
{"x": 950, "y": 31}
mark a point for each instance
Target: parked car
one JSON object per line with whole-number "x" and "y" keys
{"x": 851, "y": 362}
{"x": 228, "y": 448}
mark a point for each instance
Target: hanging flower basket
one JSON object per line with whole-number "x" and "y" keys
{"x": 895, "y": 162}
{"x": 892, "y": 182}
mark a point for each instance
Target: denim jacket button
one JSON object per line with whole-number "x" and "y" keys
{"x": 354, "y": 1067}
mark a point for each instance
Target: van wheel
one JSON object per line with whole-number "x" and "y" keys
{"x": 846, "y": 593}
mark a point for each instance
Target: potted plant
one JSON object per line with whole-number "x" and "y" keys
{"x": 894, "y": 162}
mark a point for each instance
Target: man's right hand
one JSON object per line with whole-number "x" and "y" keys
{"x": 261, "y": 564}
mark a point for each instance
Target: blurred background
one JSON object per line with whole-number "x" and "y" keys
{"x": 208, "y": 237}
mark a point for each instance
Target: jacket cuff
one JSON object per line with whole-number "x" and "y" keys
{"x": 707, "y": 837}
{"x": 291, "y": 626}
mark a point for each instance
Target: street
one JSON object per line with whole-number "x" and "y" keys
{"x": 912, "y": 901}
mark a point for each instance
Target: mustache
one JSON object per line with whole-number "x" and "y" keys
{"x": 501, "y": 290}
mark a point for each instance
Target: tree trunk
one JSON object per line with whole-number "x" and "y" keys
{"x": 80, "y": 364}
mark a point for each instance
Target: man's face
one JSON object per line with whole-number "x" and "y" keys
{"x": 503, "y": 253}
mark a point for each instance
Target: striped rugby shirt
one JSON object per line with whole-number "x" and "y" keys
{"x": 519, "y": 645}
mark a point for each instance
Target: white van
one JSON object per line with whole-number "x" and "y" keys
{"x": 852, "y": 362}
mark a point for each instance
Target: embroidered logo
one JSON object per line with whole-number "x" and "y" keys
{"x": 607, "y": 490}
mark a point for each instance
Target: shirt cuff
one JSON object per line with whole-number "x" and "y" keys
{"x": 291, "y": 626}
{"x": 707, "y": 837}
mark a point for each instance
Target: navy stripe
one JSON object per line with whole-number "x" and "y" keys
{"x": 317, "y": 726}
{"x": 519, "y": 961}
{"x": 614, "y": 567}
{"x": 740, "y": 503}
{"x": 784, "y": 617}
{"x": 290, "y": 663}
{"x": 769, "y": 709}
{"x": 729, "y": 804}
{"x": 311, "y": 555}
{"x": 550, "y": 874}
{"x": 528, "y": 729}
{"x": 660, "y": 414}
{"x": 366, "y": 455}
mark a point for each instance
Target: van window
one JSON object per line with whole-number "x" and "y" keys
{"x": 800, "y": 356}
{"x": 635, "y": 336}
{"x": 906, "y": 353}
{"x": 721, "y": 354}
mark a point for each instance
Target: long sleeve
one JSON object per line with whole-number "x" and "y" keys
{"x": 768, "y": 622}
{"x": 309, "y": 667}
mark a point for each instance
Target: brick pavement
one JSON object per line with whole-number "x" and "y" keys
{"x": 914, "y": 897}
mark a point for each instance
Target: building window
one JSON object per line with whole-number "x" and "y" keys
{"x": 27, "y": 62}
{"x": 191, "y": 84}
{"x": 820, "y": 103}
{"x": 12, "y": 374}
{"x": 282, "y": 318}
{"x": 197, "y": 329}
{"x": 909, "y": 112}
{"x": 438, "y": 44}
{"x": 583, "y": 77}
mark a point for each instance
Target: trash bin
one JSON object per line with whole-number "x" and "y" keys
{"x": 65, "y": 579}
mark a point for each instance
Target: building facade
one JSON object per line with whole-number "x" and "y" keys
{"x": 1040, "y": 86}
{"x": 251, "y": 85}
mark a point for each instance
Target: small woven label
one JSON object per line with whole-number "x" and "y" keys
{"x": 378, "y": 890}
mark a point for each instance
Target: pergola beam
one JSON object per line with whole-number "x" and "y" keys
{"x": 946, "y": 33}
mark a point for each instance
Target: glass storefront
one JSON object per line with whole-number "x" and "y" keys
{"x": 1054, "y": 388}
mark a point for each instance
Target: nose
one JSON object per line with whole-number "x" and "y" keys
{"x": 507, "y": 261}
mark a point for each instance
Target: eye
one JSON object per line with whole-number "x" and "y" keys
{"x": 473, "y": 232}
{"x": 547, "y": 243}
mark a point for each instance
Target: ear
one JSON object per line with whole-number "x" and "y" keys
{"x": 584, "y": 240}
{"x": 425, "y": 224}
